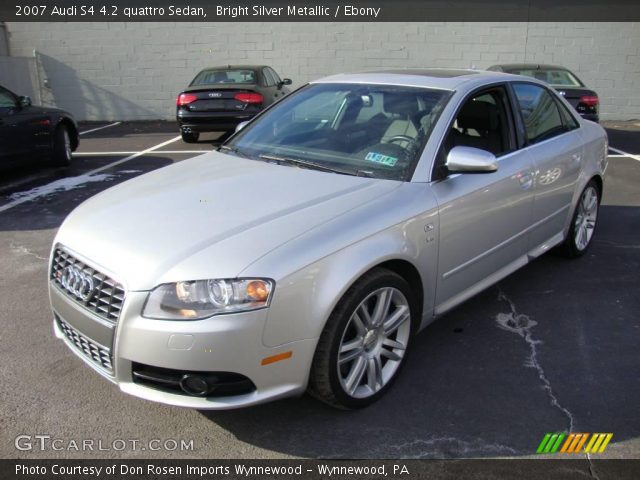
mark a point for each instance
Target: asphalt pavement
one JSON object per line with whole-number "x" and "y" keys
{"x": 474, "y": 385}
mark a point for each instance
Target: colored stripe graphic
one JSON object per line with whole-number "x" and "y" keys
{"x": 543, "y": 443}
{"x": 574, "y": 443}
{"x": 567, "y": 443}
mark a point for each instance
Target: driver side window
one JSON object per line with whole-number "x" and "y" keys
{"x": 483, "y": 122}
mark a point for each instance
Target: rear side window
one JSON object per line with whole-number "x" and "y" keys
{"x": 540, "y": 112}
{"x": 269, "y": 81}
{"x": 569, "y": 120}
{"x": 275, "y": 76}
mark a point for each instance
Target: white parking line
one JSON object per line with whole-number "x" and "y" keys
{"x": 100, "y": 128}
{"x": 44, "y": 191}
{"x": 625, "y": 154}
{"x": 131, "y": 157}
{"x": 81, "y": 154}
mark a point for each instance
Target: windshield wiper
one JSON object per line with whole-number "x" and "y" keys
{"x": 233, "y": 150}
{"x": 305, "y": 164}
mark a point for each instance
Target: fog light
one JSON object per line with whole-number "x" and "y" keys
{"x": 194, "y": 385}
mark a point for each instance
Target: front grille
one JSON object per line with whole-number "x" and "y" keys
{"x": 94, "y": 352}
{"x": 106, "y": 298}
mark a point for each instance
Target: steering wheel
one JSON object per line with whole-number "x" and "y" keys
{"x": 401, "y": 138}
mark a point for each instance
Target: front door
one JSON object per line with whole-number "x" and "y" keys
{"x": 484, "y": 217}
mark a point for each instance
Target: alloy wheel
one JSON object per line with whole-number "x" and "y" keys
{"x": 374, "y": 342}
{"x": 586, "y": 217}
{"x": 67, "y": 144}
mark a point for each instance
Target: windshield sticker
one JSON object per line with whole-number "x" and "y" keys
{"x": 380, "y": 158}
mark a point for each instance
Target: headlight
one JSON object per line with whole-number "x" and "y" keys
{"x": 198, "y": 299}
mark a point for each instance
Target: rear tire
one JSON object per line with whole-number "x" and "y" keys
{"x": 61, "y": 151}
{"x": 583, "y": 222}
{"x": 365, "y": 341}
{"x": 189, "y": 137}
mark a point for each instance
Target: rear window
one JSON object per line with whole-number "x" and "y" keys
{"x": 554, "y": 77}
{"x": 209, "y": 77}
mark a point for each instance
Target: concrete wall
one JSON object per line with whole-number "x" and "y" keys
{"x": 4, "y": 40}
{"x": 19, "y": 75}
{"x": 109, "y": 71}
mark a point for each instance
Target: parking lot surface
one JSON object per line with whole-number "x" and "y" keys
{"x": 553, "y": 347}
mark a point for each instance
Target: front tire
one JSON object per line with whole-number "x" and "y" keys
{"x": 61, "y": 152}
{"x": 363, "y": 346}
{"x": 583, "y": 222}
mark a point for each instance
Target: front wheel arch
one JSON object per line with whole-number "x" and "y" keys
{"x": 324, "y": 377}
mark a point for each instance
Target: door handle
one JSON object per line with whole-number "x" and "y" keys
{"x": 526, "y": 179}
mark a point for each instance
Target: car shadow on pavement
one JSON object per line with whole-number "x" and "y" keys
{"x": 552, "y": 348}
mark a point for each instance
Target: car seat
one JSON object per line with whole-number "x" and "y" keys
{"x": 403, "y": 109}
{"x": 484, "y": 119}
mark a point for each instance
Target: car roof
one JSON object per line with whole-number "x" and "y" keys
{"x": 529, "y": 66}
{"x": 438, "y": 78}
{"x": 235, "y": 67}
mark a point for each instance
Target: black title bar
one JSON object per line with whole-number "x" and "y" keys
{"x": 318, "y": 11}
{"x": 577, "y": 468}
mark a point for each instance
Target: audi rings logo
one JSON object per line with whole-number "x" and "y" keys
{"x": 77, "y": 283}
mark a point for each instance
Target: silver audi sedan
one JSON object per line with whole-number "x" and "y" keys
{"x": 307, "y": 252}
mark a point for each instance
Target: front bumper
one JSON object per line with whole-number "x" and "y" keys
{"x": 225, "y": 343}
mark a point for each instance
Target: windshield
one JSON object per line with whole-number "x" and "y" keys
{"x": 368, "y": 130}
{"x": 554, "y": 77}
{"x": 208, "y": 77}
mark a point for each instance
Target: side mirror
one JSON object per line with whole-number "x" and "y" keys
{"x": 471, "y": 160}
{"x": 284, "y": 81}
{"x": 241, "y": 125}
{"x": 24, "y": 102}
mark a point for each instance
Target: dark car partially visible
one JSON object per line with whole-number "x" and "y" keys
{"x": 567, "y": 84}
{"x": 219, "y": 98}
{"x": 30, "y": 132}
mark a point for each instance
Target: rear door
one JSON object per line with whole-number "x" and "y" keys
{"x": 484, "y": 217}
{"x": 554, "y": 142}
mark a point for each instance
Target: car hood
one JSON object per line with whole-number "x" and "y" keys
{"x": 212, "y": 215}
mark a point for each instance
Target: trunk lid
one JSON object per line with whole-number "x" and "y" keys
{"x": 219, "y": 98}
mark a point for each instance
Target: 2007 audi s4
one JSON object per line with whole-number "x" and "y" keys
{"x": 310, "y": 249}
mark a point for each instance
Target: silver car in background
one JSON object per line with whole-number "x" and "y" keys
{"x": 309, "y": 250}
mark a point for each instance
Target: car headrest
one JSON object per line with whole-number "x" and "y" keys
{"x": 404, "y": 104}
{"x": 479, "y": 116}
